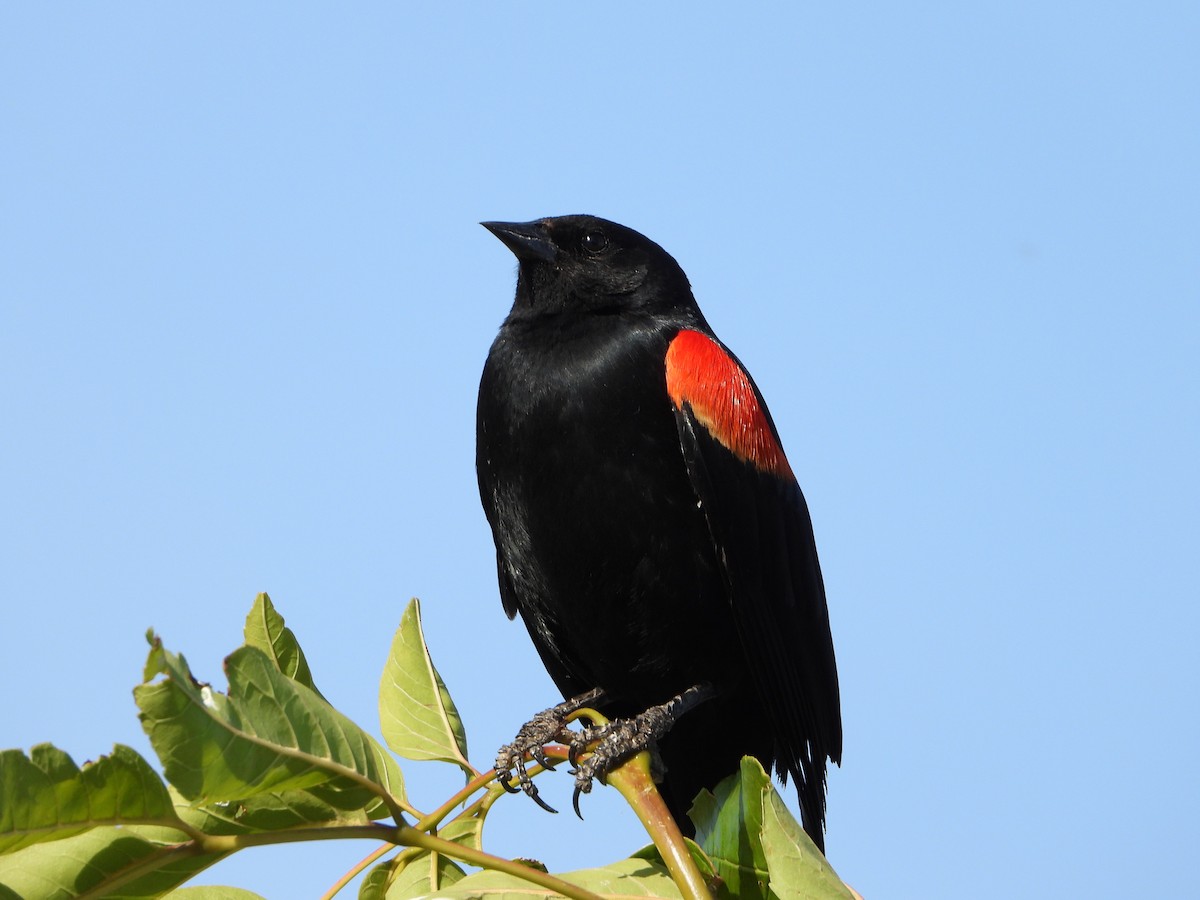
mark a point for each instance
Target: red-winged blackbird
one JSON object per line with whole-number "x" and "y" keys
{"x": 648, "y": 527}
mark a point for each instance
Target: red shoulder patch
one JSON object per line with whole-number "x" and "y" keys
{"x": 701, "y": 374}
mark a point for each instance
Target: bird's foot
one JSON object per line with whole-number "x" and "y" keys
{"x": 615, "y": 742}
{"x": 546, "y": 727}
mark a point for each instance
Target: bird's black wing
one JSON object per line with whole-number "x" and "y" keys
{"x": 763, "y": 536}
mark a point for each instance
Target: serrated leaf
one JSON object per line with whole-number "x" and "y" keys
{"x": 757, "y": 847}
{"x": 418, "y": 717}
{"x": 632, "y": 877}
{"x": 104, "y": 862}
{"x": 270, "y": 812}
{"x": 268, "y": 735}
{"x": 265, "y": 629}
{"x": 46, "y": 797}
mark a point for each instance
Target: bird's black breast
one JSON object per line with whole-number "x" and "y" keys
{"x": 601, "y": 544}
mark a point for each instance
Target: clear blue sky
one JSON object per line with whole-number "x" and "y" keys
{"x": 244, "y": 304}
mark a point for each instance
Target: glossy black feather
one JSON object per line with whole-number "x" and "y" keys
{"x": 643, "y": 557}
{"x": 761, "y": 527}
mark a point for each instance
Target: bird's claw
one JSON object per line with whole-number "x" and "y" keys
{"x": 524, "y": 784}
{"x": 579, "y": 744}
{"x": 539, "y": 756}
{"x": 595, "y": 766}
{"x": 585, "y": 788}
{"x": 531, "y": 792}
{"x": 544, "y": 728}
{"x": 611, "y": 745}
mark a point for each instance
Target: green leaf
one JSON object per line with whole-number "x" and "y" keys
{"x": 133, "y": 861}
{"x": 425, "y": 873}
{"x": 374, "y": 885}
{"x": 268, "y": 735}
{"x": 266, "y": 630}
{"x": 729, "y": 827}
{"x": 154, "y": 659}
{"x": 410, "y": 873}
{"x": 703, "y": 864}
{"x": 632, "y": 877}
{"x": 419, "y": 719}
{"x": 271, "y": 812}
{"x": 46, "y": 797}
{"x": 757, "y": 847}
{"x": 466, "y": 831}
{"x": 798, "y": 868}
{"x": 213, "y": 892}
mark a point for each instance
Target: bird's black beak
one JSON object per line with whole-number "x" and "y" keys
{"x": 527, "y": 240}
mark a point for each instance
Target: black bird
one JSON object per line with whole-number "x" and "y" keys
{"x": 648, "y": 527}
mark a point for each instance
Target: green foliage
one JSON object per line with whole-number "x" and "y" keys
{"x": 269, "y": 734}
{"x": 266, "y": 630}
{"x": 757, "y": 848}
{"x": 418, "y": 717}
{"x": 270, "y": 761}
{"x": 107, "y": 861}
{"x": 47, "y": 796}
{"x": 631, "y": 877}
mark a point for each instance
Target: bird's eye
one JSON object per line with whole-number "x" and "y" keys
{"x": 595, "y": 241}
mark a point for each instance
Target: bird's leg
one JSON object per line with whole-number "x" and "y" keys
{"x": 542, "y": 729}
{"x": 620, "y": 739}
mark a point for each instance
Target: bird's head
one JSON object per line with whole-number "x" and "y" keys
{"x": 584, "y": 264}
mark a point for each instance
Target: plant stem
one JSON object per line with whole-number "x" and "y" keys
{"x": 413, "y": 838}
{"x": 357, "y": 868}
{"x": 635, "y": 783}
{"x": 227, "y": 843}
{"x": 406, "y": 836}
{"x": 433, "y": 819}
